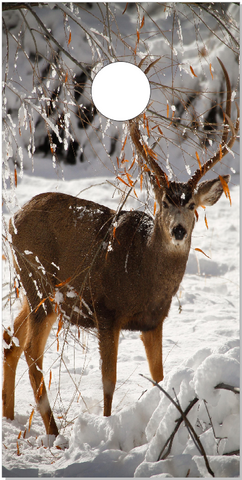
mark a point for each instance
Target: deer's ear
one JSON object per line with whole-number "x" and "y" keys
{"x": 210, "y": 191}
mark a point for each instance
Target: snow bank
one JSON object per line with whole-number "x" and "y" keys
{"x": 130, "y": 442}
{"x": 136, "y": 436}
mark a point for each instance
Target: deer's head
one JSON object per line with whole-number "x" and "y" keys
{"x": 178, "y": 201}
{"x": 178, "y": 204}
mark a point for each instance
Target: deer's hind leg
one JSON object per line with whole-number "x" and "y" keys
{"x": 108, "y": 347}
{"x": 38, "y": 332}
{"x": 11, "y": 357}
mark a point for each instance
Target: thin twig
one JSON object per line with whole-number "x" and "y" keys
{"x": 168, "y": 443}
{"x": 190, "y": 428}
{"x": 50, "y": 36}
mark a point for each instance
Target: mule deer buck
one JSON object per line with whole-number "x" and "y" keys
{"x": 73, "y": 263}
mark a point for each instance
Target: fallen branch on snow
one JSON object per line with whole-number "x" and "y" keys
{"x": 190, "y": 428}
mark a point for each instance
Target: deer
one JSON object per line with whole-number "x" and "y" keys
{"x": 101, "y": 269}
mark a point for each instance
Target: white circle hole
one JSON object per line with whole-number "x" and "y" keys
{"x": 120, "y": 91}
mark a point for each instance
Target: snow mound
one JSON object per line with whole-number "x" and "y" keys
{"x": 131, "y": 442}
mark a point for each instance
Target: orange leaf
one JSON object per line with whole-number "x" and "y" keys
{"x": 141, "y": 181}
{"x": 125, "y": 140}
{"x": 129, "y": 179}
{"x": 125, "y": 8}
{"x": 142, "y": 23}
{"x": 193, "y": 72}
{"x": 117, "y": 161}
{"x": 206, "y": 222}
{"x": 199, "y": 163}
{"x": 154, "y": 208}
{"x": 69, "y": 40}
{"x": 132, "y": 164}
{"x": 64, "y": 282}
{"x": 66, "y": 77}
{"x": 59, "y": 327}
{"x": 225, "y": 188}
{"x": 196, "y": 215}
{"x": 19, "y": 435}
{"x": 199, "y": 250}
{"x": 15, "y": 177}
{"x": 160, "y": 131}
{"x": 138, "y": 36}
{"x": 119, "y": 178}
{"x": 50, "y": 378}
{"x": 151, "y": 152}
{"x": 40, "y": 303}
{"x": 210, "y": 68}
{"x": 24, "y": 434}
{"x": 31, "y": 418}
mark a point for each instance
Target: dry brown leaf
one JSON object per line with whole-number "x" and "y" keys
{"x": 201, "y": 251}
{"x": 198, "y": 160}
{"x": 225, "y": 188}
{"x": 64, "y": 282}
{"x": 193, "y": 71}
{"x": 50, "y": 378}
{"x": 31, "y": 418}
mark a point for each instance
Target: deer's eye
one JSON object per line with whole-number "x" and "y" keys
{"x": 165, "y": 205}
{"x": 192, "y": 206}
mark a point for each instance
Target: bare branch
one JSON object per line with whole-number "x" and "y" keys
{"x": 225, "y": 386}
{"x": 168, "y": 443}
{"x": 189, "y": 426}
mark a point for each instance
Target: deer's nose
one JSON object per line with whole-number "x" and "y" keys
{"x": 179, "y": 232}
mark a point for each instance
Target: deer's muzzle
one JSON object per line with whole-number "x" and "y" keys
{"x": 179, "y": 232}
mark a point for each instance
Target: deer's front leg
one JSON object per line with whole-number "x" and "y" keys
{"x": 108, "y": 345}
{"x": 153, "y": 346}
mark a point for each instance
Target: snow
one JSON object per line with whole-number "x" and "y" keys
{"x": 201, "y": 335}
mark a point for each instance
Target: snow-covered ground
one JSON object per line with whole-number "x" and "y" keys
{"x": 201, "y": 350}
{"x": 201, "y": 343}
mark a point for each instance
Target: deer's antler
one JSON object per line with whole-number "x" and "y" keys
{"x": 225, "y": 146}
{"x": 146, "y": 153}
